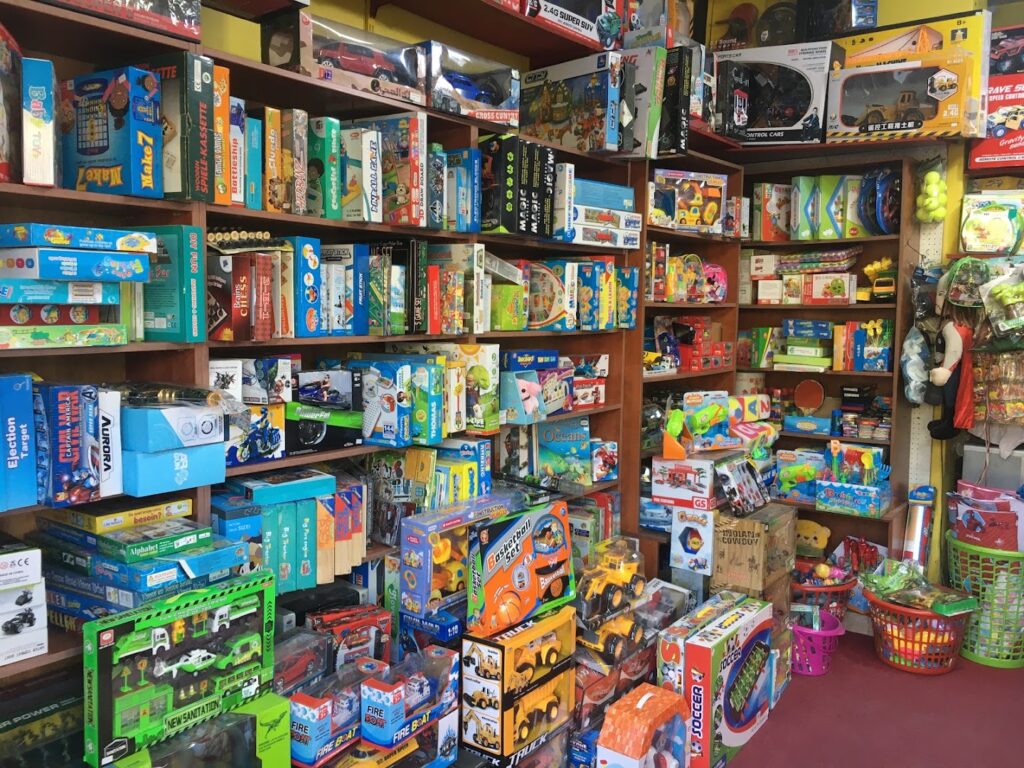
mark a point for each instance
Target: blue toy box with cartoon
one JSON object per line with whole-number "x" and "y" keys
{"x": 520, "y": 396}
{"x": 796, "y": 475}
{"x": 387, "y": 404}
{"x": 110, "y": 129}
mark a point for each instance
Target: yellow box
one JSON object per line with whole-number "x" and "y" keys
{"x": 273, "y": 161}
{"x": 518, "y": 685}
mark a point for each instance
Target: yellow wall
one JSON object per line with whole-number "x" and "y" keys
{"x": 242, "y": 38}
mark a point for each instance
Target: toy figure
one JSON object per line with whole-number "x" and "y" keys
{"x": 528, "y": 391}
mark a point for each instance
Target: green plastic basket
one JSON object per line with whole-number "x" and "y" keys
{"x": 995, "y": 631}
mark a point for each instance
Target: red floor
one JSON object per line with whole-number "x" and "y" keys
{"x": 864, "y": 714}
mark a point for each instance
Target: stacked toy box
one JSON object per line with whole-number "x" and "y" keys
{"x": 22, "y": 601}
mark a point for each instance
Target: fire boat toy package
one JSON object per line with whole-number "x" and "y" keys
{"x": 110, "y": 128}
{"x": 575, "y": 104}
{"x": 465, "y": 84}
{"x": 160, "y": 669}
{"x": 519, "y": 565}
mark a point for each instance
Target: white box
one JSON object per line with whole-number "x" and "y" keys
{"x": 1003, "y": 473}
{"x": 20, "y": 563}
{"x": 21, "y": 597}
{"x": 26, "y": 644}
{"x": 745, "y": 218}
{"x": 565, "y": 199}
{"x": 39, "y": 109}
{"x": 763, "y": 266}
{"x": 746, "y": 283}
{"x": 362, "y": 197}
{"x": 226, "y": 375}
{"x": 769, "y": 291}
{"x": 111, "y": 470}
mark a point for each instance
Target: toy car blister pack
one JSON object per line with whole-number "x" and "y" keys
{"x": 519, "y": 564}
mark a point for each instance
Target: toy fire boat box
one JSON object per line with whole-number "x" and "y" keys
{"x": 158, "y": 670}
{"x": 110, "y": 128}
{"x": 645, "y": 727}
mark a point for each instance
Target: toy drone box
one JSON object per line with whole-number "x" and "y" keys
{"x": 111, "y": 133}
{"x": 178, "y": 19}
{"x": 928, "y": 95}
{"x": 728, "y": 682}
{"x": 158, "y": 670}
{"x": 465, "y": 84}
{"x": 787, "y": 90}
{"x": 575, "y": 104}
{"x": 594, "y": 21}
{"x": 519, "y": 565}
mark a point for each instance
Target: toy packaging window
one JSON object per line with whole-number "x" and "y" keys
{"x": 464, "y": 84}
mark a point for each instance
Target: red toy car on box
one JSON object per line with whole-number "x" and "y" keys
{"x": 358, "y": 59}
{"x": 300, "y": 657}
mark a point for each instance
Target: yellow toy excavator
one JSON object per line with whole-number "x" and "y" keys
{"x": 484, "y": 735}
{"x": 486, "y": 666}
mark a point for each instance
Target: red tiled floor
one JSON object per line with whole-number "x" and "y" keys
{"x": 864, "y": 714}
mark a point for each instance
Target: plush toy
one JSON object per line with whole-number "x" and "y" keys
{"x": 811, "y": 538}
{"x": 528, "y": 391}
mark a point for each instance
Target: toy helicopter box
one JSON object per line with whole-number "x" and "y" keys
{"x": 434, "y": 571}
{"x": 728, "y": 682}
{"x": 519, "y": 565}
{"x": 110, "y": 129}
{"x": 574, "y": 104}
{"x": 927, "y": 95}
{"x": 160, "y": 669}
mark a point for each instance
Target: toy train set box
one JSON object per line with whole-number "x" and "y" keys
{"x": 158, "y": 670}
{"x": 728, "y": 683}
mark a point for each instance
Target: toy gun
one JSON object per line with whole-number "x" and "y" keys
{"x": 792, "y": 476}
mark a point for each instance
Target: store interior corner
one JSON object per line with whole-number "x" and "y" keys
{"x": 511, "y": 383}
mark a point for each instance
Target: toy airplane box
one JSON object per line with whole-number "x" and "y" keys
{"x": 47, "y": 263}
{"x": 728, "y": 682}
{"x": 208, "y": 651}
{"x": 84, "y": 238}
{"x": 111, "y": 133}
{"x": 574, "y": 104}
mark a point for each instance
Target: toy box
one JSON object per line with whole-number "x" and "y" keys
{"x": 404, "y": 155}
{"x": 787, "y": 90}
{"x": 1003, "y": 145}
{"x": 528, "y": 359}
{"x": 804, "y": 213}
{"x": 264, "y": 440}
{"x": 468, "y": 85}
{"x": 830, "y": 288}
{"x": 357, "y": 630}
{"x": 671, "y": 645}
{"x": 223, "y": 634}
{"x": 687, "y": 200}
{"x": 323, "y": 174}
{"x": 556, "y": 390}
{"x": 179, "y": 19}
{"x": 300, "y": 658}
{"x": 686, "y": 483}
{"x": 20, "y": 486}
{"x": 553, "y": 295}
{"x": 67, "y": 440}
{"x": 325, "y": 718}
{"x": 641, "y": 136}
{"x": 130, "y": 545}
{"x": 41, "y": 719}
{"x": 647, "y": 721}
{"x": 387, "y": 407}
{"x": 520, "y": 398}
{"x": 50, "y": 263}
{"x": 575, "y": 104}
{"x": 733, "y": 99}
{"x": 592, "y": 22}
{"x": 164, "y": 428}
{"x": 560, "y": 449}
{"x": 363, "y": 61}
{"x": 797, "y": 471}
{"x": 253, "y": 154}
{"x": 10, "y": 76}
{"x": 40, "y": 162}
{"x": 435, "y": 545}
{"x": 772, "y": 212}
{"x": 604, "y": 460}
{"x": 79, "y": 238}
{"x": 20, "y": 563}
{"x": 148, "y": 473}
{"x": 519, "y": 565}
{"x": 692, "y": 539}
{"x": 309, "y": 428}
{"x": 110, "y": 130}
{"x": 853, "y": 498}
{"x": 728, "y": 682}
{"x": 754, "y": 551}
{"x": 175, "y": 296}
{"x": 115, "y": 515}
{"x": 927, "y": 94}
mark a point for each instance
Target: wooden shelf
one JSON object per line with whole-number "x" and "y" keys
{"x": 376, "y": 551}
{"x": 329, "y": 341}
{"x": 695, "y": 306}
{"x": 662, "y": 378}
{"x": 862, "y": 306}
{"x": 812, "y": 374}
{"x": 824, "y": 245}
{"x": 303, "y": 459}
{"x": 695, "y": 160}
{"x": 894, "y": 512}
{"x": 522, "y": 241}
{"x": 662, "y": 537}
{"x": 139, "y": 347}
{"x": 56, "y": 199}
{"x": 827, "y": 438}
{"x": 539, "y": 334}
{"x": 584, "y": 412}
{"x": 678, "y": 234}
{"x": 607, "y": 485}
{"x": 62, "y": 648}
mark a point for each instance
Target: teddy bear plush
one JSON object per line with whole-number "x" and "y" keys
{"x": 811, "y": 538}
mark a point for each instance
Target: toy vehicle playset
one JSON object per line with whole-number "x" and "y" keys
{"x": 468, "y": 85}
{"x": 607, "y": 594}
{"x": 300, "y": 658}
{"x": 157, "y": 670}
{"x": 687, "y": 200}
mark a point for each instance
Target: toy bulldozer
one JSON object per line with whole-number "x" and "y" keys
{"x": 908, "y": 108}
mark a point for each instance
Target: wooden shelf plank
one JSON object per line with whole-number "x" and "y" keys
{"x": 304, "y": 459}
{"x": 811, "y": 374}
{"x": 860, "y": 307}
{"x": 654, "y": 233}
{"x": 62, "y": 648}
{"x": 584, "y": 412}
{"x": 57, "y": 199}
{"x": 819, "y": 244}
{"x": 695, "y": 306}
{"x": 662, "y": 537}
{"x": 894, "y": 512}
{"x": 682, "y": 375}
{"x": 140, "y": 347}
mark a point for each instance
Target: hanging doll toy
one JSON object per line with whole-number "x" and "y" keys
{"x": 959, "y": 306}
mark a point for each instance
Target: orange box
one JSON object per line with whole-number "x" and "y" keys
{"x": 221, "y": 141}
{"x": 273, "y": 162}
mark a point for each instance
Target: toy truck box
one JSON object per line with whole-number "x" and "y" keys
{"x": 435, "y": 546}
{"x": 206, "y": 651}
{"x": 575, "y": 104}
{"x": 728, "y": 682}
{"x": 520, "y": 565}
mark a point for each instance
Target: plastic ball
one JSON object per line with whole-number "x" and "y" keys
{"x": 822, "y": 570}
{"x": 932, "y": 177}
{"x": 939, "y": 214}
{"x": 921, "y": 199}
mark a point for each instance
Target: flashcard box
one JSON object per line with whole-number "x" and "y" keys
{"x": 111, "y": 133}
{"x": 175, "y": 296}
{"x": 554, "y": 290}
{"x": 186, "y": 117}
{"x": 18, "y": 481}
{"x": 236, "y": 151}
{"x": 67, "y": 442}
{"x": 728, "y": 673}
{"x": 294, "y": 153}
{"x": 253, "y": 163}
{"x": 40, "y": 162}
{"x": 326, "y": 169}
{"x": 592, "y": 86}
{"x": 362, "y": 197}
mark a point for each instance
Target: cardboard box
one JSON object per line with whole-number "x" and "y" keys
{"x": 40, "y": 163}
{"x": 752, "y": 552}
{"x": 148, "y": 473}
{"x": 324, "y": 174}
{"x": 152, "y": 429}
{"x": 687, "y": 200}
{"x": 830, "y": 288}
{"x": 180, "y": 20}
{"x": 20, "y": 563}
{"x": 174, "y": 299}
{"x": 1003, "y": 145}
{"x": 236, "y": 151}
{"x": 804, "y": 212}
{"x": 686, "y": 483}
{"x": 253, "y": 163}
{"x": 222, "y": 156}
{"x": 772, "y": 212}
{"x": 294, "y": 156}
{"x": 586, "y": 22}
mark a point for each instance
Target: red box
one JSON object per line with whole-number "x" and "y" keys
{"x": 1003, "y": 145}
{"x": 184, "y": 23}
{"x": 262, "y": 297}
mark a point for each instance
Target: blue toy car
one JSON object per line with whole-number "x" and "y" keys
{"x": 466, "y": 87}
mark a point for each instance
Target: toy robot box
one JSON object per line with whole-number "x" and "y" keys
{"x": 575, "y": 104}
{"x": 158, "y": 670}
{"x": 519, "y": 565}
{"x": 728, "y": 682}
{"x": 111, "y": 134}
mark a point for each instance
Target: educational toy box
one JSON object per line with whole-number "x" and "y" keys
{"x": 67, "y": 439}
{"x": 853, "y": 498}
{"x": 687, "y": 200}
{"x": 111, "y": 133}
{"x": 589, "y": 22}
{"x": 684, "y": 482}
{"x": 40, "y": 162}
{"x": 693, "y": 539}
{"x": 158, "y": 670}
{"x": 174, "y": 299}
{"x": 519, "y": 565}
{"x": 728, "y": 682}
{"x": 435, "y": 545}
{"x": 574, "y": 104}
{"x": 796, "y": 473}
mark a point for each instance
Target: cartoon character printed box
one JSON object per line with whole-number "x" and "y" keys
{"x": 519, "y": 565}
{"x": 160, "y": 669}
{"x": 687, "y": 200}
{"x": 728, "y": 682}
{"x": 110, "y": 130}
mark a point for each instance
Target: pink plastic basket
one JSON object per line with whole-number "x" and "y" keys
{"x": 812, "y": 648}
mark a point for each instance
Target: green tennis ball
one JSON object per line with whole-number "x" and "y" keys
{"x": 942, "y": 198}
{"x": 923, "y": 216}
{"x": 921, "y": 200}
{"x": 939, "y": 214}
{"x": 931, "y": 189}
{"x": 931, "y": 204}
{"x": 931, "y": 177}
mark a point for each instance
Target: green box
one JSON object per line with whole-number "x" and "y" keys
{"x": 803, "y": 223}
{"x": 160, "y": 669}
{"x": 286, "y": 547}
{"x": 273, "y": 728}
{"x": 831, "y": 207}
{"x": 175, "y": 297}
{"x": 324, "y": 172}
{"x": 378, "y": 290}
{"x": 305, "y": 544}
{"x": 508, "y": 307}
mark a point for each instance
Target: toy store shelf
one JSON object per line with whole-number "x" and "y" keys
{"x": 826, "y": 438}
{"x": 660, "y": 378}
{"x": 584, "y": 412}
{"x": 653, "y": 233}
{"x": 694, "y": 305}
{"x": 63, "y": 200}
{"x": 303, "y": 459}
{"x": 607, "y": 485}
{"x": 862, "y": 306}
{"x": 490, "y": 22}
{"x": 537, "y": 334}
{"x": 768, "y": 153}
{"x": 141, "y": 346}
{"x": 582, "y": 160}
{"x": 703, "y": 139}
{"x": 694, "y": 160}
{"x": 328, "y": 341}
{"x": 522, "y": 241}
{"x": 63, "y": 647}
{"x": 376, "y": 551}
{"x": 893, "y": 514}
{"x": 822, "y": 244}
{"x": 812, "y": 374}
{"x": 40, "y": 28}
